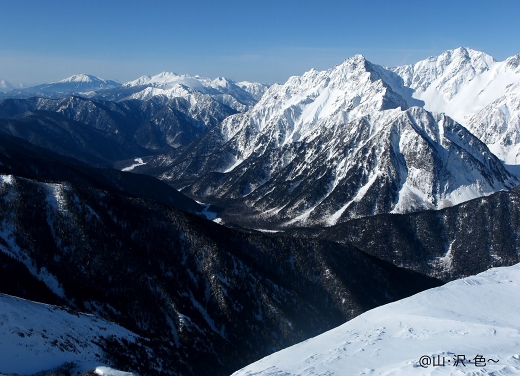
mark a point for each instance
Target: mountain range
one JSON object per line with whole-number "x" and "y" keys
{"x": 199, "y": 298}
{"x": 330, "y": 146}
{"x": 76, "y": 84}
{"x": 333, "y": 193}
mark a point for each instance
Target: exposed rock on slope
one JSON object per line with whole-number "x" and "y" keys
{"x": 477, "y": 91}
{"x": 329, "y": 146}
{"x": 209, "y": 299}
{"x": 451, "y": 243}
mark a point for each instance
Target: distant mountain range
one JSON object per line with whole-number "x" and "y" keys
{"x": 237, "y": 95}
{"x": 6, "y": 86}
{"x": 76, "y": 84}
{"x": 339, "y": 191}
{"x": 356, "y": 140}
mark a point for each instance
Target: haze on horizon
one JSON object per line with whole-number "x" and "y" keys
{"x": 265, "y": 41}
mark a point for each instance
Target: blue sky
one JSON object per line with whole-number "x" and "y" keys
{"x": 266, "y": 41}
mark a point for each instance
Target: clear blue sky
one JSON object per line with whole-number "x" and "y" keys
{"x": 266, "y": 41}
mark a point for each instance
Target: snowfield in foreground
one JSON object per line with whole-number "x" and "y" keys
{"x": 36, "y": 337}
{"x": 478, "y": 315}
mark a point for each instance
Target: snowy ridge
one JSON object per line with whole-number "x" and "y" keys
{"x": 477, "y": 91}
{"x": 304, "y": 104}
{"x": 473, "y": 316}
{"x": 460, "y": 82}
{"x": 237, "y": 96}
{"x": 77, "y": 83}
{"x": 178, "y": 90}
{"x": 194, "y": 97}
{"x": 498, "y": 125}
{"x": 9, "y": 245}
{"x": 81, "y": 84}
{"x": 329, "y": 146}
{"x": 83, "y": 78}
{"x": 256, "y": 89}
{"x": 37, "y": 337}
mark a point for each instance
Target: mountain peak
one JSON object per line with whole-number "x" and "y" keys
{"x": 83, "y": 78}
{"x": 456, "y": 82}
{"x": 166, "y": 80}
{"x": 353, "y": 61}
{"x": 358, "y": 57}
{"x": 7, "y": 86}
{"x": 513, "y": 62}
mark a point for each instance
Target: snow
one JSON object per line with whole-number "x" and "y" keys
{"x": 107, "y": 371}
{"x": 6, "y": 86}
{"x": 6, "y": 179}
{"x": 459, "y": 82}
{"x": 171, "y": 92}
{"x": 498, "y": 125}
{"x": 475, "y": 90}
{"x": 84, "y": 78}
{"x": 207, "y": 317}
{"x": 299, "y": 109}
{"x": 267, "y": 231}
{"x": 473, "y": 316}
{"x": 340, "y": 117}
{"x": 208, "y": 214}
{"x": 11, "y": 248}
{"x": 171, "y": 85}
{"x": 139, "y": 161}
{"x": 167, "y": 80}
{"x": 36, "y": 337}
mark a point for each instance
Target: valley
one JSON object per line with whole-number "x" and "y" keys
{"x": 332, "y": 194}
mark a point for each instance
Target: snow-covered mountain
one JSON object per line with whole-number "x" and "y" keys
{"x": 460, "y": 82}
{"x": 238, "y": 96}
{"x": 256, "y": 89}
{"x": 498, "y": 125}
{"x": 449, "y": 244}
{"x": 37, "y": 337}
{"x": 421, "y": 335}
{"x": 474, "y": 89}
{"x": 6, "y": 86}
{"x": 333, "y": 145}
{"x": 80, "y": 84}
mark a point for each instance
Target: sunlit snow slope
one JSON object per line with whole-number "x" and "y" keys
{"x": 475, "y": 90}
{"x": 460, "y": 82}
{"x": 239, "y": 96}
{"x": 36, "y": 337}
{"x": 473, "y": 316}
